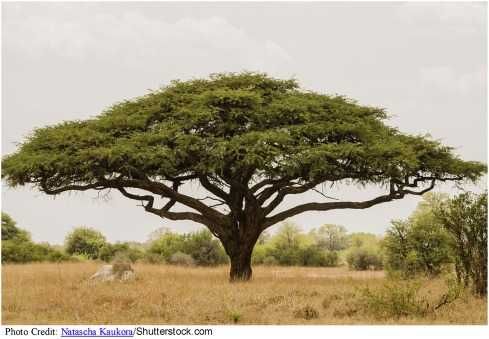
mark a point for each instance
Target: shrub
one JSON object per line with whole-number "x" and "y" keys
{"x": 84, "y": 240}
{"x": 17, "y": 251}
{"x": 402, "y": 298}
{"x": 419, "y": 244}
{"x": 465, "y": 218}
{"x": 363, "y": 258}
{"x": 394, "y": 300}
{"x": 307, "y": 312}
{"x": 260, "y": 252}
{"x": 181, "y": 259}
{"x": 167, "y": 244}
{"x": 317, "y": 257}
{"x": 153, "y": 258}
{"x": 270, "y": 261}
{"x": 10, "y": 231}
{"x": 205, "y": 249}
{"x": 109, "y": 251}
{"x": 20, "y": 251}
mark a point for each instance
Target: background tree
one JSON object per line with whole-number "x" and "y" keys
{"x": 465, "y": 218}
{"x": 17, "y": 246}
{"x": 419, "y": 244}
{"x": 10, "y": 231}
{"x": 331, "y": 237}
{"x": 364, "y": 251}
{"x": 249, "y": 140}
{"x": 287, "y": 243}
{"x": 86, "y": 241}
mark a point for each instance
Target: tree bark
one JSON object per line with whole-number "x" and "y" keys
{"x": 239, "y": 249}
{"x": 241, "y": 267}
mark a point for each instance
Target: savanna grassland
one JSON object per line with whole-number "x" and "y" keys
{"x": 49, "y": 293}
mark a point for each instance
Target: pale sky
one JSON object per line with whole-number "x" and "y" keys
{"x": 426, "y": 63}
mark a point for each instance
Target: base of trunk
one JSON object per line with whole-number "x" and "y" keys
{"x": 240, "y": 275}
{"x": 240, "y": 269}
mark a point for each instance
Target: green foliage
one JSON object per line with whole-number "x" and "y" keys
{"x": 419, "y": 244}
{"x": 364, "y": 252}
{"x": 84, "y": 240}
{"x": 270, "y": 261}
{"x": 465, "y": 218}
{"x": 17, "y": 246}
{"x": 364, "y": 258}
{"x": 204, "y": 249}
{"x": 286, "y": 244}
{"x": 394, "y": 300}
{"x": 403, "y": 298}
{"x": 330, "y": 237}
{"x": 167, "y": 244}
{"x": 15, "y": 251}
{"x": 109, "y": 251}
{"x": 200, "y": 126}
{"x": 232, "y": 125}
{"x": 359, "y": 239}
{"x": 10, "y": 231}
{"x": 290, "y": 246}
{"x": 181, "y": 259}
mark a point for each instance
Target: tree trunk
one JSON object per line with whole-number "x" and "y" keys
{"x": 239, "y": 250}
{"x": 241, "y": 267}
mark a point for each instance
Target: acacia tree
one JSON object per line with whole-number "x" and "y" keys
{"x": 249, "y": 140}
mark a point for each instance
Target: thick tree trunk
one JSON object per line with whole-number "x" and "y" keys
{"x": 241, "y": 267}
{"x": 239, "y": 250}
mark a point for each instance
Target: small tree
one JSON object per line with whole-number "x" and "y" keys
{"x": 465, "y": 217}
{"x": 287, "y": 243}
{"x": 364, "y": 251}
{"x": 419, "y": 244}
{"x": 17, "y": 246}
{"x": 249, "y": 140}
{"x": 167, "y": 244}
{"x": 331, "y": 237}
{"x": 10, "y": 231}
{"x": 86, "y": 241}
{"x": 205, "y": 249}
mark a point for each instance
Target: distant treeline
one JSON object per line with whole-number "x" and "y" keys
{"x": 441, "y": 234}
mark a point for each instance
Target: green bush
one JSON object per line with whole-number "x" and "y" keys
{"x": 153, "y": 258}
{"x": 419, "y": 244}
{"x": 464, "y": 217}
{"x": 270, "y": 261}
{"x": 403, "y": 298}
{"x": 16, "y": 251}
{"x": 84, "y": 240}
{"x": 181, "y": 259}
{"x": 167, "y": 244}
{"x": 204, "y": 249}
{"x": 316, "y": 257}
{"x": 260, "y": 252}
{"x": 109, "y": 251}
{"x": 17, "y": 246}
{"x": 10, "y": 231}
{"x": 363, "y": 258}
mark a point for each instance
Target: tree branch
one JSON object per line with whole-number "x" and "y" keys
{"x": 393, "y": 195}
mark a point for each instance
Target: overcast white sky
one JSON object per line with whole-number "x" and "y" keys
{"x": 425, "y": 62}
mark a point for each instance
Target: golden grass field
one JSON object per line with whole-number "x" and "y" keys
{"x": 49, "y": 293}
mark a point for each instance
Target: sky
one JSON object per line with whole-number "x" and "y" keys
{"x": 425, "y": 63}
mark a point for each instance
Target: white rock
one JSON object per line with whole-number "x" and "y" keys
{"x": 106, "y": 273}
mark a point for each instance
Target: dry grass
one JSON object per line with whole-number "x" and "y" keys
{"x": 59, "y": 294}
